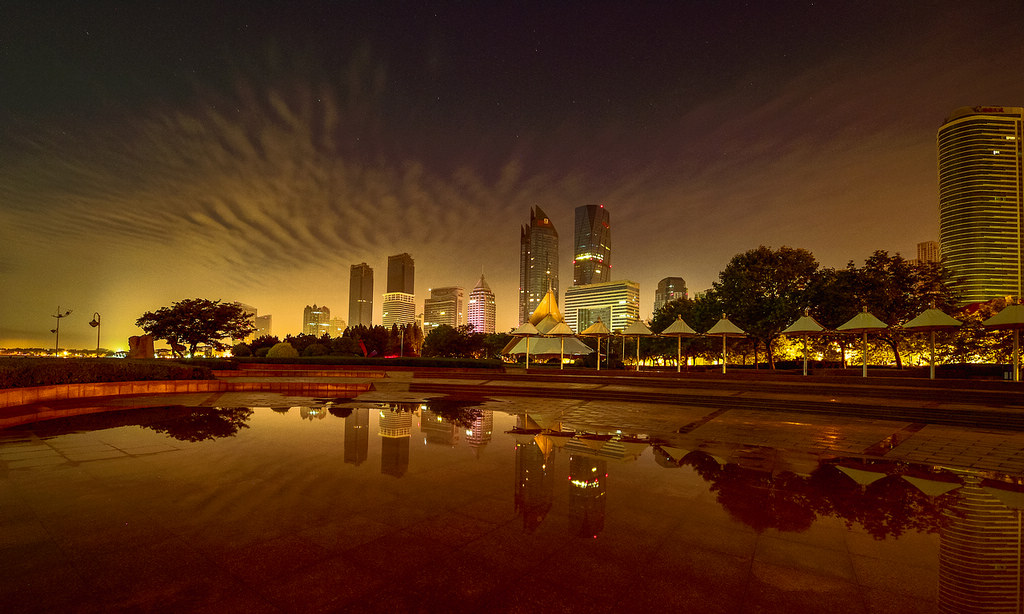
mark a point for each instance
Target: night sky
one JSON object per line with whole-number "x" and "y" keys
{"x": 151, "y": 152}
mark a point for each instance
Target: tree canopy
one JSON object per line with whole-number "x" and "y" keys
{"x": 195, "y": 321}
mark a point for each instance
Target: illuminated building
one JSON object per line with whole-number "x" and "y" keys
{"x": 316, "y": 320}
{"x": 437, "y": 430}
{"x": 445, "y": 306}
{"x": 928, "y": 251}
{"x": 400, "y": 298}
{"x": 479, "y": 433}
{"x": 264, "y": 324}
{"x": 360, "y": 295}
{"x": 538, "y": 262}
{"x": 337, "y": 327}
{"x": 481, "y": 308}
{"x": 981, "y": 192}
{"x": 669, "y": 289}
{"x": 399, "y": 308}
{"x": 616, "y": 303}
{"x": 357, "y": 436}
{"x": 592, "y": 247}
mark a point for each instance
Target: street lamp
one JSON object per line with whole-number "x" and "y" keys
{"x": 96, "y": 324}
{"x": 56, "y": 342}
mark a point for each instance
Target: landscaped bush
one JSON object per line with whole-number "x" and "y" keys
{"x": 27, "y": 372}
{"x": 283, "y": 350}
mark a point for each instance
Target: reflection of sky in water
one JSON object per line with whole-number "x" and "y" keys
{"x": 450, "y": 494}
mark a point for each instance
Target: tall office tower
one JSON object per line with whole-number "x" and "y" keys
{"x": 263, "y": 326}
{"x": 400, "y": 299}
{"x": 538, "y": 262}
{"x": 481, "y": 308}
{"x": 616, "y": 303}
{"x": 981, "y": 193}
{"x": 445, "y": 306}
{"x": 337, "y": 327}
{"x": 401, "y": 273}
{"x": 592, "y": 248}
{"x": 360, "y": 295}
{"x": 316, "y": 321}
{"x": 669, "y": 289}
{"x": 928, "y": 251}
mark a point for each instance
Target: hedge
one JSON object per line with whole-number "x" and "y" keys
{"x": 29, "y": 372}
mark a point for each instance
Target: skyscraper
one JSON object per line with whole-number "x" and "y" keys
{"x": 316, "y": 321}
{"x": 400, "y": 299}
{"x": 481, "y": 308}
{"x": 401, "y": 274}
{"x": 445, "y": 306}
{"x": 928, "y": 251}
{"x": 592, "y": 247}
{"x": 616, "y": 303}
{"x": 538, "y": 262}
{"x": 981, "y": 192}
{"x": 669, "y": 289}
{"x": 360, "y": 295}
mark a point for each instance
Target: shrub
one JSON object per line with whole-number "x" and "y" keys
{"x": 282, "y": 350}
{"x": 316, "y": 349}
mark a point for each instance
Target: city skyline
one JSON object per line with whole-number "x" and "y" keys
{"x": 150, "y": 154}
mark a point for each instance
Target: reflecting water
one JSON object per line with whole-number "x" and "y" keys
{"x": 321, "y": 506}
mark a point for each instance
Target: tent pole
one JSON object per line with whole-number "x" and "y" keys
{"x": 805, "y": 354}
{"x": 679, "y": 354}
{"x": 723, "y": 353}
{"x": 931, "y": 339}
{"x": 865, "y": 354}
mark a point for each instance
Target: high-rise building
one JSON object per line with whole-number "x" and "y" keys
{"x": 400, "y": 299}
{"x": 263, "y": 326}
{"x": 337, "y": 327}
{"x": 445, "y": 306}
{"x": 616, "y": 303}
{"x": 928, "y": 251}
{"x": 592, "y": 246}
{"x": 669, "y": 289}
{"x": 360, "y": 295}
{"x": 981, "y": 192}
{"x": 482, "y": 308}
{"x": 316, "y": 320}
{"x": 401, "y": 274}
{"x": 538, "y": 262}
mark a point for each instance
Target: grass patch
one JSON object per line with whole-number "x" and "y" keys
{"x": 29, "y": 372}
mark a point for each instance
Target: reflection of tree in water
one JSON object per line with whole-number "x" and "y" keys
{"x": 788, "y": 502}
{"x": 453, "y": 411}
{"x": 203, "y": 423}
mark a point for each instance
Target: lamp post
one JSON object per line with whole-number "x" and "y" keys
{"x": 95, "y": 323}
{"x": 56, "y": 341}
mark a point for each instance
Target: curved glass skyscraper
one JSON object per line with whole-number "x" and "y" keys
{"x": 592, "y": 247}
{"x": 981, "y": 193}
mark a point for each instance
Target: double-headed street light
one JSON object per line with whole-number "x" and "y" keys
{"x": 56, "y": 342}
{"x": 96, "y": 324}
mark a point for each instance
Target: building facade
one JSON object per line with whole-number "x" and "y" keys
{"x": 615, "y": 303}
{"x": 399, "y": 308}
{"x": 981, "y": 192}
{"x": 316, "y": 320}
{"x": 264, "y": 326}
{"x": 928, "y": 251}
{"x": 592, "y": 246}
{"x": 401, "y": 274}
{"x": 360, "y": 295}
{"x": 538, "y": 262}
{"x": 669, "y": 289}
{"x": 481, "y": 312}
{"x": 445, "y": 306}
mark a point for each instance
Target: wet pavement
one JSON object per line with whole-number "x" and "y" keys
{"x": 263, "y": 502}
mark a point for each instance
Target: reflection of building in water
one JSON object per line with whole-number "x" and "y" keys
{"x": 395, "y": 432}
{"x": 436, "y": 430}
{"x": 312, "y": 413}
{"x": 357, "y": 436}
{"x": 479, "y": 434}
{"x": 587, "y": 489}
{"x": 980, "y": 554}
{"x": 535, "y": 485}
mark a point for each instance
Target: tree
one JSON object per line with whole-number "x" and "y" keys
{"x": 197, "y": 321}
{"x": 763, "y": 290}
